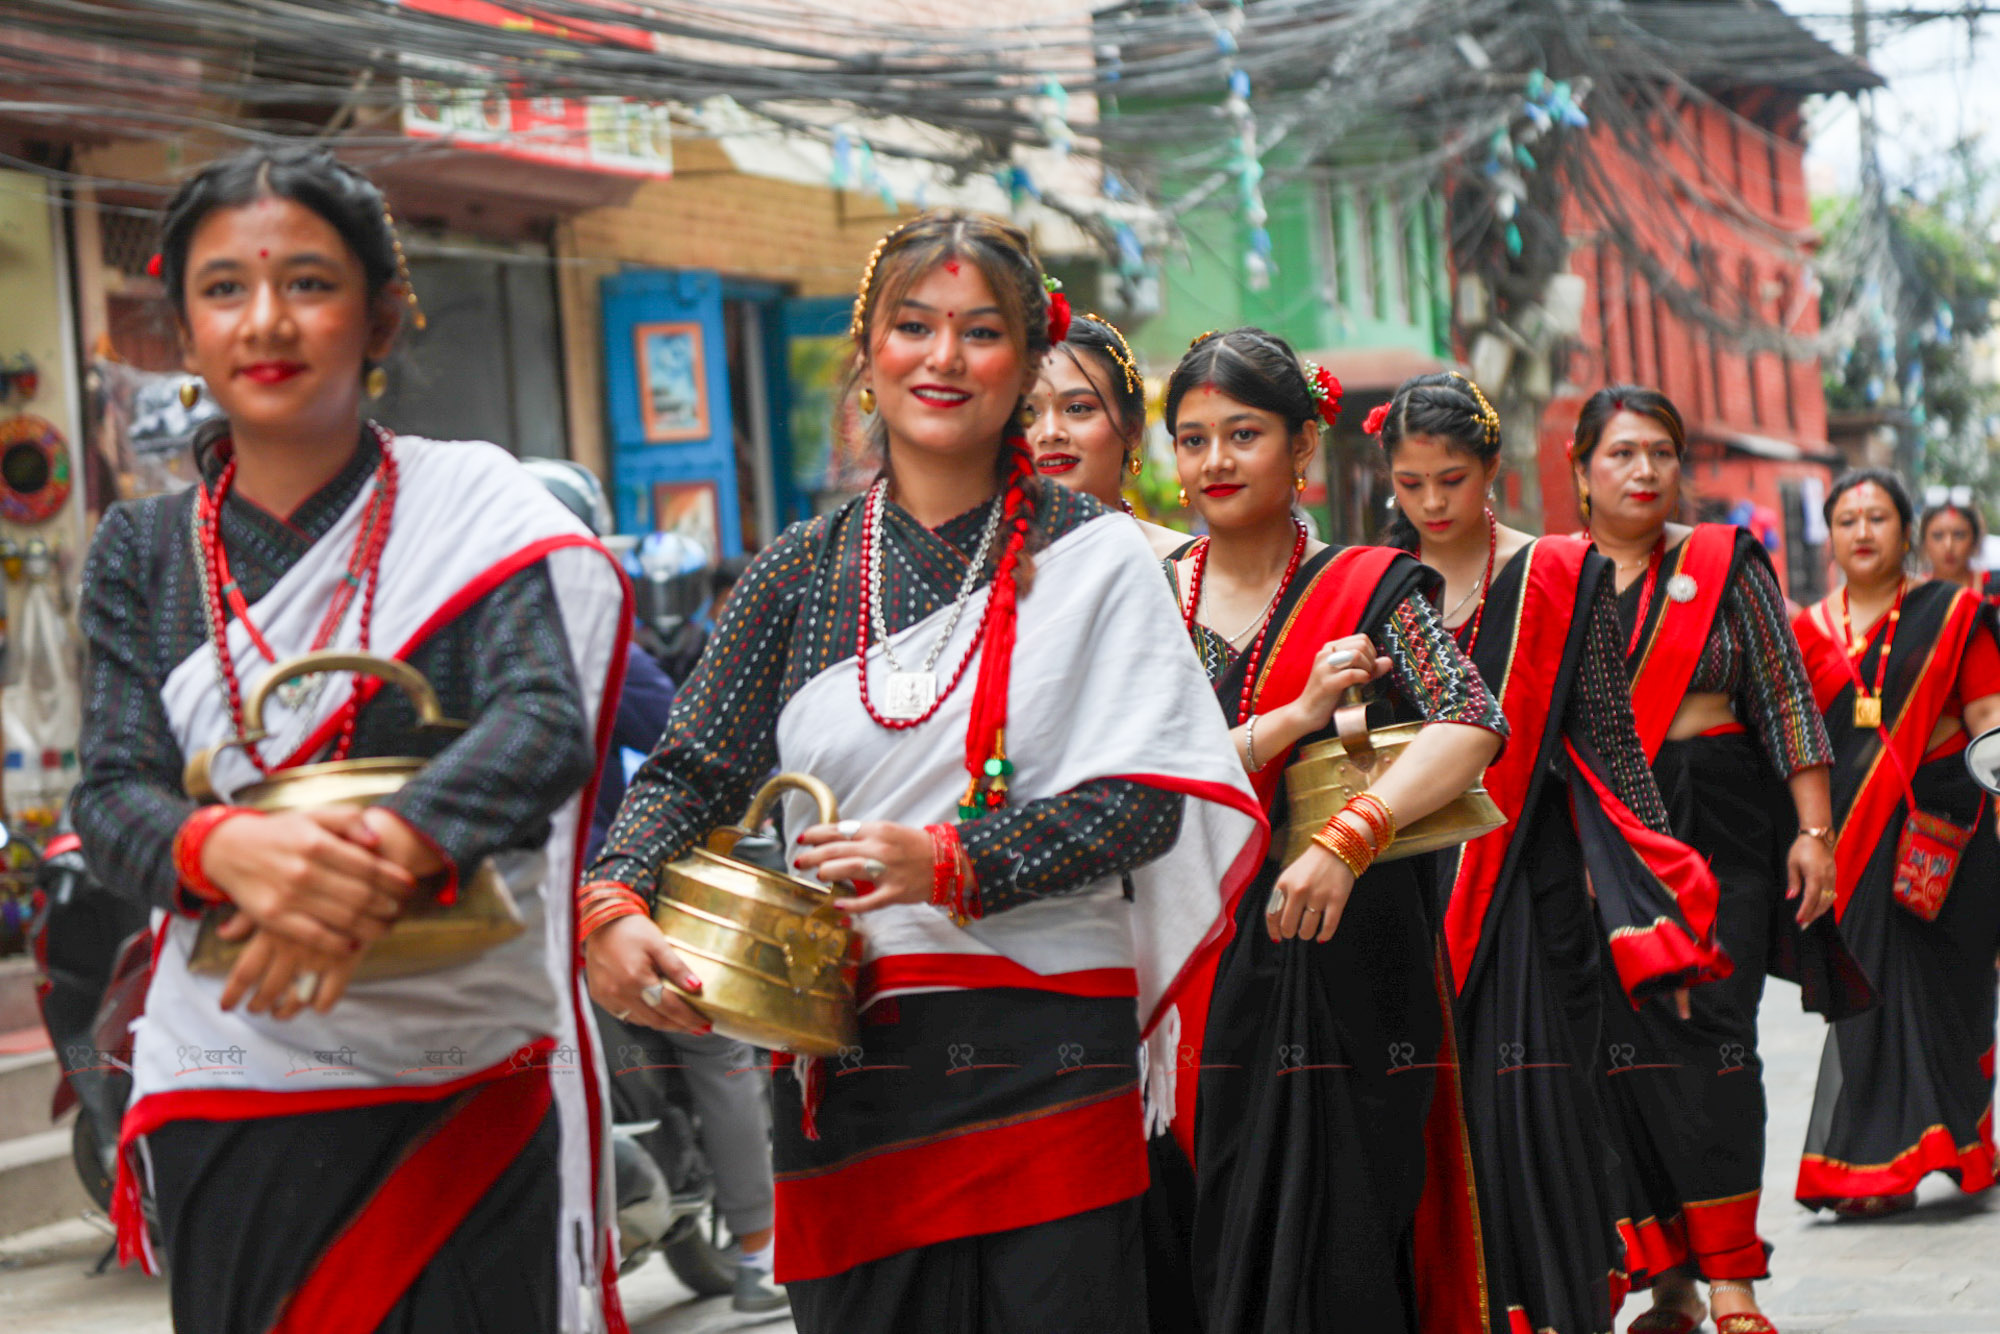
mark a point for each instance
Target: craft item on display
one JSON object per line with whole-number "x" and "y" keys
{"x": 34, "y": 470}
{"x": 42, "y": 708}
{"x": 19, "y": 379}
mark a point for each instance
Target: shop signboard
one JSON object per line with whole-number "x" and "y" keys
{"x": 603, "y": 134}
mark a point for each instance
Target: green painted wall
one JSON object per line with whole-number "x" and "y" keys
{"x": 1353, "y": 270}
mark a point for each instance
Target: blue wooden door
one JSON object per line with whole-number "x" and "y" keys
{"x": 666, "y": 368}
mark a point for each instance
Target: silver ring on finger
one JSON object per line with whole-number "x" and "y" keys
{"x": 653, "y": 994}
{"x": 622, "y": 1016}
{"x": 847, "y": 828}
{"x": 304, "y": 985}
{"x": 872, "y": 869}
{"x": 1276, "y": 903}
{"x": 1309, "y": 909}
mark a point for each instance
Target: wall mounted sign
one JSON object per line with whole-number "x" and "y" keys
{"x": 673, "y": 386}
{"x": 34, "y": 470}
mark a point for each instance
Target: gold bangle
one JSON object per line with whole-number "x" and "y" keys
{"x": 1824, "y": 835}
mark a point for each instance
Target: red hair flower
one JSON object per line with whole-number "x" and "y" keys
{"x": 1378, "y": 416}
{"x": 1058, "y": 310}
{"x": 153, "y": 265}
{"x": 1325, "y": 390}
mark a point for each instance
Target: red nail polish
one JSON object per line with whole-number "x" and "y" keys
{"x": 692, "y": 983}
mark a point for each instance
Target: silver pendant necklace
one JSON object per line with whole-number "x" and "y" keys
{"x": 911, "y": 693}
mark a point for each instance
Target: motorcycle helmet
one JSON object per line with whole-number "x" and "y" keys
{"x": 577, "y": 488}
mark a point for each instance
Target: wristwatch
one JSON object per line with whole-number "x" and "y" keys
{"x": 1825, "y": 835}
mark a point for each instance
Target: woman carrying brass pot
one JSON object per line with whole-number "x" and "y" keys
{"x": 1318, "y": 1042}
{"x": 331, "y": 1149}
{"x": 1044, "y": 829}
{"x": 1905, "y": 672}
{"x": 1726, "y": 716}
{"x": 1585, "y": 884}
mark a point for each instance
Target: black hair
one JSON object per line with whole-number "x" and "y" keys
{"x": 1253, "y": 367}
{"x": 309, "y": 176}
{"x": 1967, "y": 512}
{"x": 1608, "y": 402}
{"x": 1441, "y": 405}
{"x": 1116, "y": 377}
{"x": 1899, "y": 495}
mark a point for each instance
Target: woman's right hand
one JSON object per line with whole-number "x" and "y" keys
{"x": 1342, "y": 664}
{"x": 626, "y": 962}
{"x": 312, "y": 877}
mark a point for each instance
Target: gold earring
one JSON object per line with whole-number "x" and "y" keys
{"x": 377, "y": 383}
{"x": 1184, "y": 500}
{"x": 190, "y": 392}
{"x": 866, "y": 398}
{"x": 1299, "y": 485}
{"x": 1136, "y": 465}
{"x": 1586, "y": 507}
{"x": 1027, "y": 416}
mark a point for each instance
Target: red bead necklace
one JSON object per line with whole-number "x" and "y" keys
{"x": 225, "y": 596}
{"x": 1485, "y": 582}
{"x": 1256, "y": 653}
{"x": 1007, "y": 557}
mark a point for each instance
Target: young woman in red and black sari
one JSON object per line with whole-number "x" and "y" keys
{"x": 1905, "y": 671}
{"x": 1319, "y": 1040}
{"x": 1726, "y": 715}
{"x": 1539, "y": 619}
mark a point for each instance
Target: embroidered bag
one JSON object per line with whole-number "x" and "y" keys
{"x": 1926, "y": 860}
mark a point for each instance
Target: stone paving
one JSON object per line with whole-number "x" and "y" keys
{"x": 1933, "y": 1271}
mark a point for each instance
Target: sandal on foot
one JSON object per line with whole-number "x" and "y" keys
{"x": 1875, "y": 1206}
{"x": 1661, "y": 1320}
{"x": 1744, "y": 1322}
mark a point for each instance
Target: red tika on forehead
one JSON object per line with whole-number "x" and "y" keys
{"x": 951, "y": 265}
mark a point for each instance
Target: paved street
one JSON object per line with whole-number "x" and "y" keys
{"x": 1934, "y": 1271}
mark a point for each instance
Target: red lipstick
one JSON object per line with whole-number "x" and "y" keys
{"x": 271, "y": 372}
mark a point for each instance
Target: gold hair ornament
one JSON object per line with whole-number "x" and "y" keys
{"x": 1122, "y": 353}
{"x": 1201, "y": 338}
{"x": 1488, "y": 418}
{"x": 403, "y": 271}
{"x": 858, "y": 325}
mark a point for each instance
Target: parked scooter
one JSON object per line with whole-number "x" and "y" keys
{"x": 94, "y": 953}
{"x": 665, "y": 1188}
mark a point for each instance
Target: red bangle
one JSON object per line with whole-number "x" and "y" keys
{"x": 603, "y": 901}
{"x": 188, "y": 841}
{"x": 952, "y": 886}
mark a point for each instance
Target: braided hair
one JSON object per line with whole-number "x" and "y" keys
{"x": 1255, "y": 368}
{"x": 1001, "y": 252}
{"x": 1445, "y": 406}
{"x": 309, "y": 176}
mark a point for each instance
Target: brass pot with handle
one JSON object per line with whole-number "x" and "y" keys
{"x": 777, "y": 961}
{"x": 1327, "y": 774}
{"x": 428, "y": 935}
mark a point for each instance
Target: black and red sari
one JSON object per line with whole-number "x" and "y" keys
{"x": 1907, "y": 1089}
{"x": 1689, "y": 1094}
{"x": 1316, "y": 1062}
{"x": 1527, "y": 954}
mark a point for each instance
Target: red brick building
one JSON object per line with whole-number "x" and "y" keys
{"x": 1756, "y": 416}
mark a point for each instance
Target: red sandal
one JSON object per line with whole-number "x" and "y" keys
{"x": 1745, "y": 1322}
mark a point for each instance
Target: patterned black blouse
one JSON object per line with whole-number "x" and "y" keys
{"x": 794, "y": 614}
{"x": 1753, "y": 657}
{"x": 504, "y": 664}
{"x": 1426, "y": 667}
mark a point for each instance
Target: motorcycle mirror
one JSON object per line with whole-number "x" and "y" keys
{"x": 1982, "y": 760}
